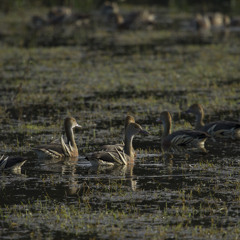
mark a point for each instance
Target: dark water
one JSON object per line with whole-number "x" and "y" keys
{"x": 205, "y": 184}
{"x": 184, "y": 194}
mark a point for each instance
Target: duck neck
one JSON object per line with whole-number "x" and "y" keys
{"x": 166, "y": 129}
{"x": 199, "y": 120}
{"x": 70, "y": 136}
{"x": 128, "y": 148}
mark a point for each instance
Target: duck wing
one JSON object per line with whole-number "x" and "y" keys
{"x": 53, "y": 150}
{"x": 14, "y": 162}
{"x": 119, "y": 147}
{"x": 221, "y": 128}
{"x": 184, "y": 137}
{"x": 108, "y": 157}
{"x": 3, "y": 162}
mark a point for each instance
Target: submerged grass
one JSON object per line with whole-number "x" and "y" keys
{"x": 80, "y": 219}
{"x": 182, "y": 195}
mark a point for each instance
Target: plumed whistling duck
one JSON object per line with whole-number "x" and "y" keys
{"x": 61, "y": 150}
{"x": 11, "y": 163}
{"x": 129, "y": 119}
{"x": 222, "y": 129}
{"x": 115, "y": 156}
{"x": 182, "y": 137}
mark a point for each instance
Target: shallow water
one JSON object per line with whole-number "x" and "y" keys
{"x": 191, "y": 189}
{"x": 178, "y": 195}
{"x": 159, "y": 193}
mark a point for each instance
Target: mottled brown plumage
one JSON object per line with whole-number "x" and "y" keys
{"x": 115, "y": 156}
{"x": 62, "y": 149}
{"x": 129, "y": 119}
{"x": 11, "y": 162}
{"x": 182, "y": 137}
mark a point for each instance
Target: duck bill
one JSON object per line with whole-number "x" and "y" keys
{"x": 78, "y": 126}
{"x": 144, "y": 132}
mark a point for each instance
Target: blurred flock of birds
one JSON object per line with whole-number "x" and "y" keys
{"x": 111, "y": 16}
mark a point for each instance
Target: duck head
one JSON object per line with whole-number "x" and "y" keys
{"x": 195, "y": 109}
{"x": 134, "y": 128}
{"x": 165, "y": 117}
{"x": 71, "y": 123}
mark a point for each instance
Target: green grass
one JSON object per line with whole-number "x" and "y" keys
{"x": 182, "y": 196}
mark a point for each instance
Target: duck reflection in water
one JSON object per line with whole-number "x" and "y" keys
{"x": 179, "y": 150}
{"x": 121, "y": 172}
{"x": 65, "y": 170}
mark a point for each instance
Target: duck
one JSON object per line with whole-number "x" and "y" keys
{"x": 56, "y": 150}
{"x": 219, "y": 20}
{"x": 202, "y": 22}
{"x": 129, "y": 119}
{"x": 181, "y": 137}
{"x": 221, "y": 129}
{"x": 123, "y": 157}
{"x": 58, "y": 15}
{"x": 137, "y": 19}
{"x": 11, "y": 162}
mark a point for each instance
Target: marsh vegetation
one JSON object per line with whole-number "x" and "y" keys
{"x": 98, "y": 76}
